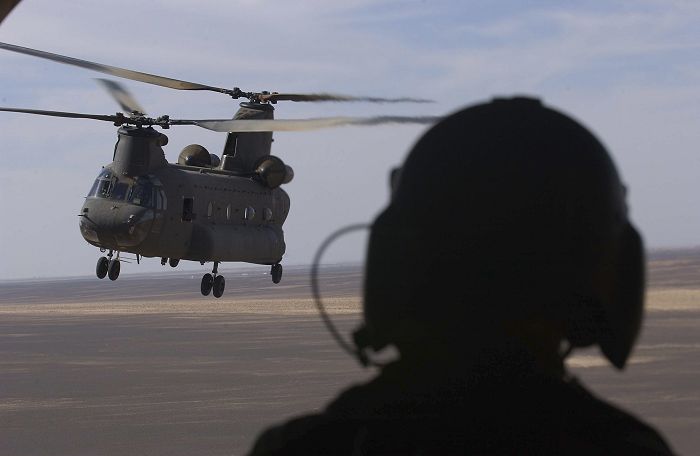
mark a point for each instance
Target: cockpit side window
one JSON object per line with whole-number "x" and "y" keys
{"x": 141, "y": 194}
{"x": 119, "y": 191}
{"x": 140, "y": 191}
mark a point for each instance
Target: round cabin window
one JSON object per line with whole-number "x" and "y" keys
{"x": 249, "y": 213}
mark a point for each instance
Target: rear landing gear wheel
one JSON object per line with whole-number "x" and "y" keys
{"x": 219, "y": 285}
{"x": 113, "y": 269}
{"x": 207, "y": 283}
{"x": 174, "y": 262}
{"x": 276, "y": 273}
{"x": 101, "y": 268}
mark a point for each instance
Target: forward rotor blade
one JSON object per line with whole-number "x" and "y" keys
{"x": 72, "y": 115}
{"x": 301, "y": 124}
{"x": 122, "y": 96}
{"x": 186, "y": 85}
{"x": 275, "y": 97}
{"x": 114, "y": 71}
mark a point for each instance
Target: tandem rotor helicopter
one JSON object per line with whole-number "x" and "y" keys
{"x": 203, "y": 208}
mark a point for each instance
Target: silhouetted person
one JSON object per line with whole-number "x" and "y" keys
{"x": 506, "y": 243}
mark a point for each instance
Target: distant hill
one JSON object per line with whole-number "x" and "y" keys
{"x": 678, "y": 268}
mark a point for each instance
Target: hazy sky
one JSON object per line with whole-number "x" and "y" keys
{"x": 629, "y": 70}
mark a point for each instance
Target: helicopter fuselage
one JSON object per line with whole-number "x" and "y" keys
{"x": 193, "y": 210}
{"x": 186, "y": 213}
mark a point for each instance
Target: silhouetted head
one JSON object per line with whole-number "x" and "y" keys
{"x": 505, "y": 212}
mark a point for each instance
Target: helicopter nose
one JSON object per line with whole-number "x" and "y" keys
{"x": 115, "y": 226}
{"x": 134, "y": 228}
{"x": 88, "y": 228}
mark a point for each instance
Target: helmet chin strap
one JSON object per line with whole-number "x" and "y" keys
{"x": 356, "y": 349}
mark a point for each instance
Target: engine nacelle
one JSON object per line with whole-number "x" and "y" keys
{"x": 196, "y": 155}
{"x": 290, "y": 174}
{"x": 272, "y": 171}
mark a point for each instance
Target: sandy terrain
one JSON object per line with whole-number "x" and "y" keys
{"x": 146, "y": 365}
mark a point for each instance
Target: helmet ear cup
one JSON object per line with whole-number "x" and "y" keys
{"x": 385, "y": 289}
{"x": 624, "y": 314}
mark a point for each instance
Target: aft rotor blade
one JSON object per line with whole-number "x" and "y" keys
{"x": 72, "y": 115}
{"x": 275, "y": 97}
{"x": 114, "y": 71}
{"x": 263, "y": 125}
{"x": 122, "y": 96}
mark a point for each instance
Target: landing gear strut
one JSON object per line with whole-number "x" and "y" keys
{"x": 108, "y": 267}
{"x": 213, "y": 282}
{"x": 113, "y": 267}
{"x": 276, "y": 272}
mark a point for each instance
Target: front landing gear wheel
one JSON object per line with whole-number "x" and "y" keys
{"x": 113, "y": 269}
{"x": 101, "y": 268}
{"x": 219, "y": 285}
{"x": 276, "y": 273}
{"x": 207, "y": 283}
{"x": 173, "y": 262}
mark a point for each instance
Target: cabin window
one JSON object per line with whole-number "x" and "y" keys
{"x": 187, "y": 209}
{"x": 249, "y": 213}
{"x": 228, "y": 212}
{"x": 267, "y": 214}
{"x": 210, "y": 209}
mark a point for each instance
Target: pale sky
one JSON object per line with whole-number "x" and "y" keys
{"x": 629, "y": 70}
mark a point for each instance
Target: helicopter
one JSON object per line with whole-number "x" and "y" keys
{"x": 205, "y": 207}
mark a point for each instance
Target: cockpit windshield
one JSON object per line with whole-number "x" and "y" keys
{"x": 104, "y": 186}
{"x": 139, "y": 191}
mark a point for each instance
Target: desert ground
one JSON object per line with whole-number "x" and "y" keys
{"x": 146, "y": 365}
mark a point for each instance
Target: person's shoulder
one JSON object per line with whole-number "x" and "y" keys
{"x": 615, "y": 428}
{"x": 307, "y": 434}
{"x": 346, "y": 426}
{"x": 332, "y": 431}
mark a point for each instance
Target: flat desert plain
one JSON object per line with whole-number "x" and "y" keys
{"x": 146, "y": 365}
